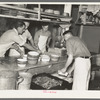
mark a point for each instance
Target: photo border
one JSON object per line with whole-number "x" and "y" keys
{"x": 56, "y": 98}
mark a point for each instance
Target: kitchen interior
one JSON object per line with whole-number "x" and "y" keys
{"x": 40, "y": 72}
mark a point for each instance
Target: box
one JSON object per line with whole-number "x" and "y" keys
{"x": 50, "y": 83}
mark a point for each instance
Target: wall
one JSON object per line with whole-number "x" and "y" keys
{"x": 91, "y": 36}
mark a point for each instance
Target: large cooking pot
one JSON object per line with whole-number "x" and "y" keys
{"x": 9, "y": 80}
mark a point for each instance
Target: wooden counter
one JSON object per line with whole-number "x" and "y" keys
{"x": 10, "y": 63}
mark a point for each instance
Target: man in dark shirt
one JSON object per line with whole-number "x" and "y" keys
{"x": 77, "y": 51}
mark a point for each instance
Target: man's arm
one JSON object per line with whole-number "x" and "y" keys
{"x": 32, "y": 43}
{"x": 49, "y": 39}
{"x": 28, "y": 46}
{"x": 16, "y": 47}
{"x": 36, "y": 37}
{"x": 68, "y": 62}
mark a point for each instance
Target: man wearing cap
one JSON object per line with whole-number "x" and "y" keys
{"x": 79, "y": 53}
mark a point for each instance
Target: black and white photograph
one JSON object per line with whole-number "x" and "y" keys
{"x": 49, "y": 48}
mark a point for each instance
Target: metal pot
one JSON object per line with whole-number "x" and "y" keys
{"x": 9, "y": 80}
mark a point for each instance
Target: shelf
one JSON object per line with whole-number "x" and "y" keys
{"x": 40, "y": 15}
{"x": 44, "y": 14}
{"x": 17, "y": 8}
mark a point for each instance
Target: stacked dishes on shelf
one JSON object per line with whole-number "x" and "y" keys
{"x": 50, "y": 11}
{"x": 37, "y": 9}
{"x": 56, "y": 12}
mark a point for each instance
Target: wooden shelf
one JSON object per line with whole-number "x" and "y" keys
{"x": 40, "y": 15}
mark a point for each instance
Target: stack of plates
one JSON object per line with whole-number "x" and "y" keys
{"x": 51, "y": 11}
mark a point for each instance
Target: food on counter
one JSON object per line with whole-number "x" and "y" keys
{"x": 46, "y": 82}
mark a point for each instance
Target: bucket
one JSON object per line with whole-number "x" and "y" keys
{"x": 8, "y": 80}
{"x": 33, "y": 57}
{"x": 25, "y": 84}
{"x": 32, "y": 60}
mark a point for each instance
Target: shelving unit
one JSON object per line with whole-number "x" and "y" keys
{"x": 37, "y": 15}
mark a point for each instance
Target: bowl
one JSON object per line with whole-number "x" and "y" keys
{"x": 54, "y": 57}
{"x": 33, "y": 54}
{"x": 45, "y": 58}
{"x": 21, "y": 62}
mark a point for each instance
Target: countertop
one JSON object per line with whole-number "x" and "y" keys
{"x": 10, "y": 63}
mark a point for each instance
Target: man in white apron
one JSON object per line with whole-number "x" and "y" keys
{"x": 77, "y": 50}
{"x": 42, "y": 38}
{"x": 26, "y": 35}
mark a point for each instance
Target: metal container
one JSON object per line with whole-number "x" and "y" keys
{"x": 25, "y": 84}
{"x": 8, "y": 80}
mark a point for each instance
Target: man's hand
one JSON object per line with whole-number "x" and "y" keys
{"x": 63, "y": 70}
{"x": 39, "y": 51}
{"x": 21, "y": 54}
{"x": 17, "y": 48}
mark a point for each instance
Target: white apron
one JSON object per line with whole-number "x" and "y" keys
{"x": 81, "y": 74}
{"x": 42, "y": 43}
